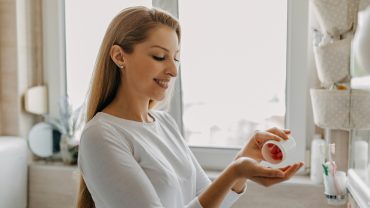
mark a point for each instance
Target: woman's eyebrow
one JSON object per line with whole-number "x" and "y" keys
{"x": 163, "y": 48}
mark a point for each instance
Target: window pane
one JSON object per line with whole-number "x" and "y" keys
{"x": 233, "y": 62}
{"x": 86, "y": 23}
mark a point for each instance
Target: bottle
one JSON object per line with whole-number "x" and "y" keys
{"x": 317, "y": 159}
{"x": 360, "y": 154}
{"x": 270, "y": 148}
{"x": 360, "y": 157}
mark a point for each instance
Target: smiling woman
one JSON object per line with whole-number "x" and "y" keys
{"x": 132, "y": 155}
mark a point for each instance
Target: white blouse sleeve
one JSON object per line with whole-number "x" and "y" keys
{"x": 112, "y": 175}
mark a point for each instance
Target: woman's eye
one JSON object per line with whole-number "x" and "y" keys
{"x": 158, "y": 58}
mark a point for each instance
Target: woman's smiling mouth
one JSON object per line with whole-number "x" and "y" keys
{"x": 162, "y": 82}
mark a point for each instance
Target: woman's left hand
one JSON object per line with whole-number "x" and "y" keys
{"x": 253, "y": 148}
{"x": 288, "y": 171}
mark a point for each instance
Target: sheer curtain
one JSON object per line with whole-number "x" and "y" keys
{"x": 20, "y": 62}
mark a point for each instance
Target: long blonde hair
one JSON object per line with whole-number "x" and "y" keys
{"x": 128, "y": 28}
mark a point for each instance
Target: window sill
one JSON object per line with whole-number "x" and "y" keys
{"x": 299, "y": 191}
{"x": 297, "y": 179}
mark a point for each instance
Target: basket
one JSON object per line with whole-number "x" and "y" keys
{"x": 333, "y": 61}
{"x": 341, "y": 109}
{"x": 335, "y": 16}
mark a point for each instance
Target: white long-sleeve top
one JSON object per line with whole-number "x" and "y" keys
{"x": 134, "y": 164}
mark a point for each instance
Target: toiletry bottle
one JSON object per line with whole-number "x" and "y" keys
{"x": 317, "y": 159}
{"x": 360, "y": 157}
{"x": 360, "y": 154}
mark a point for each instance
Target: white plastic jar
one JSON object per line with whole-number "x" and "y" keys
{"x": 283, "y": 146}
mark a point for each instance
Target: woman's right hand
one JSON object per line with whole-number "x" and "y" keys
{"x": 251, "y": 169}
{"x": 253, "y": 148}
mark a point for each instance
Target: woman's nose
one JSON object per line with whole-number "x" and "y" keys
{"x": 172, "y": 68}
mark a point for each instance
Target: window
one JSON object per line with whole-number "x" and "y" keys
{"x": 233, "y": 67}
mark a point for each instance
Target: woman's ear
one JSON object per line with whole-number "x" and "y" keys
{"x": 117, "y": 55}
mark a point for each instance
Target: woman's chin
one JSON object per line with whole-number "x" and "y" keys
{"x": 158, "y": 98}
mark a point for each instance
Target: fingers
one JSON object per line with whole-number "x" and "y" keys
{"x": 262, "y": 136}
{"x": 268, "y": 172}
{"x": 289, "y": 171}
{"x": 285, "y": 168}
{"x": 251, "y": 168}
{"x": 254, "y": 145}
{"x": 279, "y": 132}
{"x": 287, "y": 131}
{"x": 298, "y": 165}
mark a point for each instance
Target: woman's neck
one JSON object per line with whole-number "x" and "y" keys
{"x": 129, "y": 108}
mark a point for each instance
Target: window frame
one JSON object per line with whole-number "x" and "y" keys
{"x": 54, "y": 58}
{"x": 211, "y": 158}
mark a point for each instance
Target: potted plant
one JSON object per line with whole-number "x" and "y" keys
{"x": 69, "y": 123}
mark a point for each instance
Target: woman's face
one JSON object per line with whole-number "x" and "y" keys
{"x": 152, "y": 65}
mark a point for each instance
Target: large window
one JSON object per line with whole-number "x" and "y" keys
{"x": 233, "y": 67}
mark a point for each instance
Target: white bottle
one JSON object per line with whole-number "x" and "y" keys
{"x": 360, "y": 154}
{"x": 317, "y": 159}
{"x": 285, "y": 148}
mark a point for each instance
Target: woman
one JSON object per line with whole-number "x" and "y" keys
{"x": 134, "y": 156}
